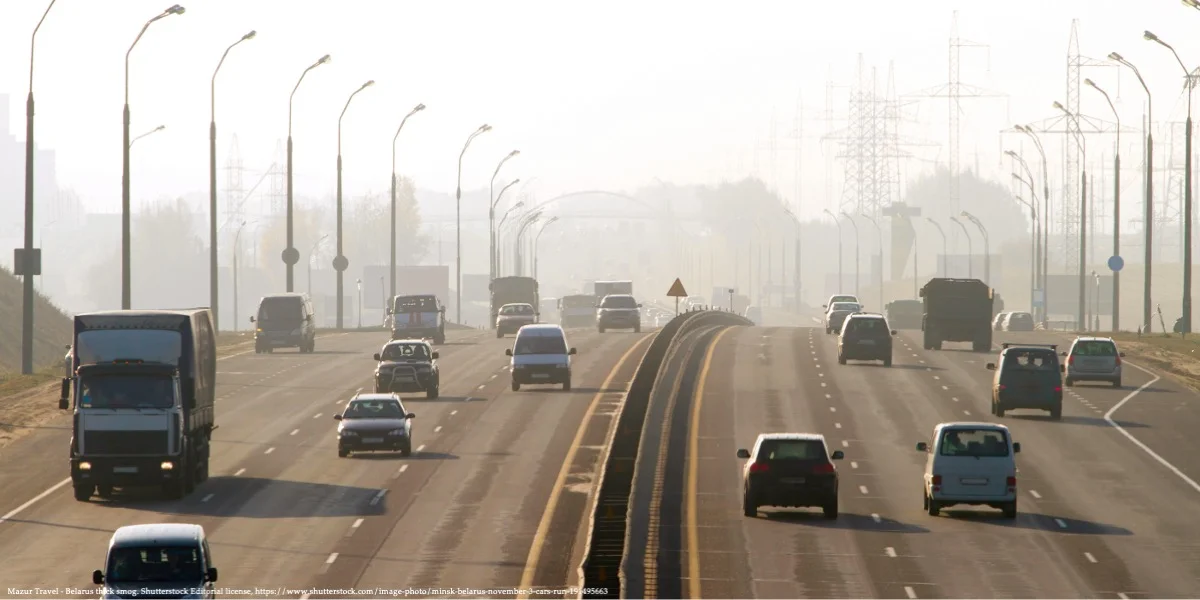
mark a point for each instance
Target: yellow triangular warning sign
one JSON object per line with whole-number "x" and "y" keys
{"x": 677, "y": 290}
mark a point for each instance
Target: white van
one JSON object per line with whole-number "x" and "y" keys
{"x": 541, "y": 355}
{"x": 971, "y": 463}
{"x": 173, "y": 557}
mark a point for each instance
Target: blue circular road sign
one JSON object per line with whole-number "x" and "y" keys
{"x": 1116, "y": 263}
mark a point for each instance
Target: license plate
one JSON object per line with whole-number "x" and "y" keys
{"x": 973, "y": 481}
{"x": 792, "y": 480}
{"x": 541, "y": 375}
{"x": 372, "y": 440}
{"x": 128, "y": 470}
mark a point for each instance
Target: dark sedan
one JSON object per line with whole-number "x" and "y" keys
{"x": 374, "y": 423}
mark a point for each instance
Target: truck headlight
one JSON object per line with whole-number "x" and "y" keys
{"x": 167, "y": 465}
{"x": 85, "y": 466}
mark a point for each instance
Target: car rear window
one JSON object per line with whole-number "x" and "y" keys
{"x": 1095, "y": 349}
{"x": 868, "y": 326}
{"x": 1022, "y": 317}
{"x": 792, "y": 450}
{"x": 974, "y": 442}
{"x": 1039, "y": 360}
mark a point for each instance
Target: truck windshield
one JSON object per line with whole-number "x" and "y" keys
{"x": 126, "y": 391}
{"x": 411, "y": 304}
{"x": 158, "y": 564}
{"x": 281, "y": 308}
{"x": 150, "y": 345}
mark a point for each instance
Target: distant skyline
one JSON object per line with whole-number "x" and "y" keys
{"x": 611, "y": 98}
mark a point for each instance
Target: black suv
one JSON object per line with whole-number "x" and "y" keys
{"x": 790, "y": 470}
{"x": 408, "y": 366}
{"x": 619, "y": 311}
{"x": 1027, "y": 376}
{"x": 865, "y": 336}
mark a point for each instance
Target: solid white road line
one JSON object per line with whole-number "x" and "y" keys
{"x": 239, "y": 472}
{"x": 912, "y": 595}
{"x": 1108, "y": 417}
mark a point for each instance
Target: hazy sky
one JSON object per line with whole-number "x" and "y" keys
{"x": 596, "y": 95}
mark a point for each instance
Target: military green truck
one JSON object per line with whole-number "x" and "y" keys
{"x": 957, "y": 310}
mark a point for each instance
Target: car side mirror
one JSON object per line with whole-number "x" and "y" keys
{"x": 1016, "y": 447}
{"x": 375, "y": 356}
{"x": 435, "y": 355}
{"x": 922, "y": 447}
{"x": 98, "y": 577}
{"x": 991, "y": 366}
{"x": 251, "y": 318}
{"x": 571, "y": 352}
{"x": 837, "y": 455}
{"x": 743, "y": 453}
{"x": 410, "y": 416}
{"x": 508, "y": 351}
{"x": 337, "y": 417}
{"x": 1121, "y": 354}
{"x": 211, "y": 575}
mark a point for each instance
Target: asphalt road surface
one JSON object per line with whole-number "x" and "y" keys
{"x": 1104, "y": 511}
{"x": 284, "y": 513}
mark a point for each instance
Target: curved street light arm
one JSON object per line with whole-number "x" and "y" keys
{"x": 320, "y": 61}
{"x": 416, "y": 109}
{"x": 212, "y": 90}
{"x": 33, "y": 37}
{"x": 346, "y": 107}
{"x": 174, "y": 10}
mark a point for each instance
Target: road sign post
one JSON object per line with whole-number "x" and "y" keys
{"x": 677, "y": 292}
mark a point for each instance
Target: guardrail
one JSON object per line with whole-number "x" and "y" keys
{"x": 602, "y": 572}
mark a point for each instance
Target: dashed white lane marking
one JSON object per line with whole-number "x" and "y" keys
{"x": 332, "y": 557}
{"x": 305, "y": 596}
{"x": 914, "y": 353}
{"x": 945, "y": 388}
{"x": 820, "y": 374}
{"x": 403, "y": 468}
{"x": 480, "y": 387}
{"x": 468, "y": 399}
{"x": 421, "y": 447}
{"x": 357, "y": 523}
{"x": 1091, "y": 559}
{"x": 837, "y": 425}
{"x": 207, "y": 498}
{"x": 966, "y": 412}
{"x": 270, "y": 450}
{"x": 930, "y": 369}
{"x": 378, "y": 496}
{"x": 337, "y": 402}
{"x": 239, "y": 472}
{"x": 1122, "y": 596}
{"x": 936, "y": 377}
{"x": 890, "y": 551}
{"x": 845, "y": 444}
{"x": 454, "y": 412}
{"x": 317, "y": 416}
{"x": 493, "y": 377}
{"x": 921, "y": 361}
{"x": 822, "y": 384}
{"x": 875, "y": 517}
{"x": 912, "y": 595}
{"x": 1061, "y": 523}
{"x": 817, "y": 365}
{"x": 1035, "y": 494}
{"x": 955, "y": 399}
{"x": 863, "y": 489}
{"x": 437, "y": 429}
{"x": 853, "y": 465}
{"x": 294, "y": 432}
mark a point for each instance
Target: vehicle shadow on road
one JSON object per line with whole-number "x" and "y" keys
{"x": 414, "y": 400}
{"x": 398, "y": 456}
{"x": 557, "y": 389}
{"x": 225, "y": 496}
{"x": 906, "y": 367}
{"x": 59, "y": 525}
{"x": 1077, "y": 420}
{"x": 1038, "y": 521}
{"x": 851, "y": 521}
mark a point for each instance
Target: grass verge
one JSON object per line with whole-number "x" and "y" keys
{"x": 1171, "y": 354}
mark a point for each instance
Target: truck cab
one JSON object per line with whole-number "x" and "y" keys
{"x": 421, "y": 316}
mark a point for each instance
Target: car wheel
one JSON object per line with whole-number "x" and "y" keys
{"x": 1069, "y": 382}
{"x": 924, "y": 501}
{"x": 841, "y": 360}
{"x": 432, "y": 393}
{"x": 567, "y": 385}
{"x": 748, "y": 508}
{"x": 933, "y": 508}
{"x": 516, "y": 387}
{"x": 999, "y": 410}
{"x": 1056, "y": 413}
{"x": 343, "y": 453}
{"x": 1116, "y": 382}
{"x": 831, "y": 509}
{"x": 1010, "y": 510}
{"x": 887, "y": 362}
{"x": 406, "y": 450}
{"x": 104, "y": 491}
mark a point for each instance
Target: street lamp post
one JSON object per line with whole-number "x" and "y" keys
{"x": 796, "y": 275}
{"x": 1116, "y": 291}
{"x": 340, "y": 262}
{"x": 26, "y": 270}
{"x": 945, "y": 247}
{"x": 492, "y": 201}
{"x": 1037, "y": 142}
{"x": 1033, "y": 244}
{"x": 392, "y": 255}
{"x": 500, "y": 228}
{"x": 359, "y": 284}
{"x": 290, "y": 254}
{"x": 1037, "y": 248}
{"x": 311, "y": 254}
{"x": 458, "y": 223}
{"x": 987, "y": 253}
{"x": 970, "y": 249}
{"x": 236, "y": 237}
{"x": 126, "y": 239}
{"x": 1082, "y": 213}
{"x": 1148, "y": 218}
{"x": 537, "y": 237}
{"x": 857, "y": 262}
{"x": 1187, "y": 188}
{"x": 879, "y": 232}
{"x": 530, "y": 219}
{"x": 212, "y": 186}
{"x": 841, "y": 279}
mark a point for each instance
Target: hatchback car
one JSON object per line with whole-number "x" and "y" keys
{"x": 998, "y": 322}
{"x": 374, "y": 423}
{"x": 1018, "y": 321}
{"x": 1093, "y": 359}
{"x": 1027, "y": 376}
{"x": 790, "y": 470}
{"x": 838, "y": 311}
{"x": 865, "y": 337}
{"x": 972, "y": 464}
{"x": 513, "y": 317}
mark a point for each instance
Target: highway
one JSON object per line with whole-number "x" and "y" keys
{"x": 495, "y": 473}
{"x": 1102, "y": 515}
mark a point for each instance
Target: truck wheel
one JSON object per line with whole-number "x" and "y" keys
{"x": 173, "y": 490}
{"x": 1056, "y": 413}
{"x": 83, "y": 491}
{"x": 887, "y": 362}
{"x": 343, "y": 453}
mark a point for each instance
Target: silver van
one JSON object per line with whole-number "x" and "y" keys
{"x": 172, "y": 558}
{"x": 973, "y": 464}
{"x": 540, "y": 355}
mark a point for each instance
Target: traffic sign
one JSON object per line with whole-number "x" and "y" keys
{"x": 1116, "y": 263}
{"x": 677, "y": 290}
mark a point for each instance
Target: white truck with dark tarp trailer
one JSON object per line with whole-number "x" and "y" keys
{"x": 142, "y": 384}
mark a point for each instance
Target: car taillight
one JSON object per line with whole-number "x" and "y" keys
{"x": 1118, "y": 357}
{"x": 1058, "y": 388}
{"x": 758, "y": 468}
{"x": 824, "y": 468}
{"x": 1002, "y": 387}
{"x": 937, "y": 480}
{"x": 1011, "y": 482}
{"x": 1071, "y": 359}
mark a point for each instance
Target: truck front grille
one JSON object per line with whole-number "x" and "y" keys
{"x": 125, "y": 442}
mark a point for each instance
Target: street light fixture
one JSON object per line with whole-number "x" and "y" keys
{"x": 1192, "y": 3}
{"x": 1082, "y": 143}
{"x": 841, "y": 279}
{"x": 213, "y": 298}
{"x": 126, "y": 240}
{"x": 458, "y": 223}
{"x": 492, "y": 215}
{"x": 25, "y": 266}
{"x": 1045, "y": 222}
{"x": 857, "y": 262}
{"x": 1190, "y": 83}
{"x": 392, "y": 260}
{"x": 537, "y": 237}
{"x": 945, "y": 247}
{"x": 290, "y": 254}
{"x": 970, "y": 249}
{"x": 1148, "y": 219}
{"x": 340, "y": 262}
{"x": 500, "y": 226}
{"x": 1116, "y": 299}
{"x": 1033, "y": 246}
